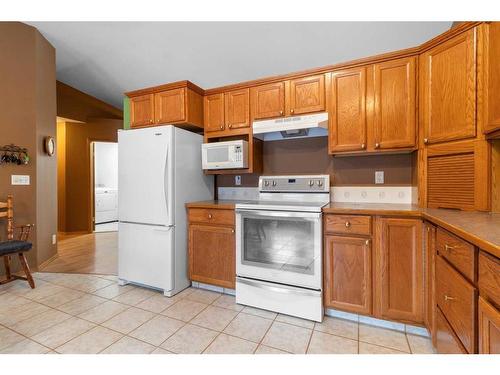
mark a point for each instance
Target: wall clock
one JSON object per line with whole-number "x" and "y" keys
{"x": 49, "y": 145}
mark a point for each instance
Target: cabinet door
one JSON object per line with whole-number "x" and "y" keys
{"x": 170, "y": 106}
{"x": 212, "y": 255}
{"x": 449, "y": 89}
{"x": 446, "y": 340}
{"x": 268, "y": 100}
{"x": 394, "y": 115}
{"x": 348, "y": 111}
{"x": 348, "y": 274}
{"x": 237, "y": 109}
{"x": 399, "y": 269}
{"x": 491, "y": 76}
{"x": 430, "y": 287}
{"x": 307, "y": 95}
{"x": 213, "y": 109}
{"x": 141, "y": 110}
{"x": 489, "y": 328}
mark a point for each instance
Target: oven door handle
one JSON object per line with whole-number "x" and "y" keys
{"x": 279, "y": 289}
{"x": 264, "y": 213}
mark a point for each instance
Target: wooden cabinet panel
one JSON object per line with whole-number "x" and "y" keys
{"x": 307, "y": 95}
{"x": 170, "y": 106}
{"x": 489, "y": 328}
{"x": 399, "y": 269}
{"x": 456, "y": 298}
{"x": 268, "y": 101}
{"x": 141, "y": 110}
{"x": 348, "y": 224}
{"x": 348, "y": 275}
{"x": 394, "y": 114}
{"x": 430, "y": 288}
{"x": 213, "y": 109}
{"x": 237, "y": 109}
{"x": 212, "y": 255}
{"x": 461, "y": 254}
{"x": 449, "y": 89}
{"x": 211, "y": 216}
{"x": 347, "y": 128}
{"x": 446, "y": 340}
{"x": 489, "y": 277}
{"x": 491, "y": 76}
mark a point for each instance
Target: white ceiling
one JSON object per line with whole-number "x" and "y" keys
{"x": 106, "y": 59}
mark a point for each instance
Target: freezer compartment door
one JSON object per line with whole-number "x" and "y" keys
{"x": 145, "y": 176}
{"x": 145, "y": 255}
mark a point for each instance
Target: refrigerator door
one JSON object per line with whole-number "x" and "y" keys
{"x": 146, "y": 255}
{"x": 145, "y": 176}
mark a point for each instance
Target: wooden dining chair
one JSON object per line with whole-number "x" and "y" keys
{"x": 15, "y": 246}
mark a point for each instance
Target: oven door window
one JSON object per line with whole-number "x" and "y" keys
{"x": 282, "y": 243}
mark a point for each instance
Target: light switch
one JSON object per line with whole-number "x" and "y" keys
{"x": 237, "y": 180}
{"x": 18, "y": 179}
{"x": 379, "y": 177}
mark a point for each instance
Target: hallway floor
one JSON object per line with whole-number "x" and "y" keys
{"x": 95, "y": 253}
{"x": 85, "y": 314}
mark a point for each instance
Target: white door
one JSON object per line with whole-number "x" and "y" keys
{"x": 145, "y": 255}
{"x": 145, "y": 176}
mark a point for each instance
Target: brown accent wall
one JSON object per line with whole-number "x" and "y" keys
{"x": 310, "y": 156}
{"x": 27, "y": 115}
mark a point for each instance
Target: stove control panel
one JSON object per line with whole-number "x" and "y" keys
{"x": 295, "y": 184}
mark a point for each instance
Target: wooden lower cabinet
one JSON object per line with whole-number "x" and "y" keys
{"x": 348, "y": 276}
{"x": 430, "y": 274}
{"x": 489, "y": 328}
{"x": 446, "y": 340}
{"x": 212, "y": 255}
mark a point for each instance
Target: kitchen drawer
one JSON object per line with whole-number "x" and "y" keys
{"x": 211, "y": 216}
{"x": 489, "y": 277}
{"x": 457, "y": 298}
{"x": 461, "y": 254}
{"x": 348, "y": 224}
{"x": 446, "y": 340}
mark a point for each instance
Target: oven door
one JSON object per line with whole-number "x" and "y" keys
{"x": 278, "y": 246}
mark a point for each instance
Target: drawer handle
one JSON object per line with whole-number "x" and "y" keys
{"x": 448, "y": 247}
{"x": 448, "y": 298}
{"x": 209, "y": 216}
{"x": 347, "y": 224}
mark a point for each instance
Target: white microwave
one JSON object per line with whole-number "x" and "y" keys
{"x": 224, "y": 155}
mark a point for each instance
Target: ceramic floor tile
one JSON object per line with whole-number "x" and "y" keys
{"x": 324, "y": 343}
{"x": 228, "y": 302}
{"x": 184, "y": 310}
{"x": 161, "y": 351}
{"x": 259, "y": 312}
{"x": 38, "y": 323}
{"x": 135, "y": 296}
{"x": 60, "y": 333}
{"x": 103, "y": 312}
{"x": 203, "y": 296}
{"x": 190, "y": 339}
{"x": 383, "y": 337}
{"x": 420, "y": 345}
{"x": 225, "y": 344}
{"x": 304, "y": 323}
{"x": 262, "y": 349}
{"x": 9, "y": 338}
{"x": 128, "y": 320}
{"x": 10, "y": 301}
{"x": 26, "y": 347}
{"x": 215, "y": 318}
{"x": 365, "y": 348}
{"x": 40, "y": 292}
{"x": 91, "y": 342}
{"x": 60, "y": 298}
{"x": 113, "y": 290}
{"x": 156, "y": 304}
{"x": 82, "y": 304}
{"x": 338, "y": 327}
{"x": 287, "y": 337}
{"x": 19, "y": 313}
{"x": 248, "y": 327}
{"x": 129, "y": 345}
{"x": 157, "y": 329}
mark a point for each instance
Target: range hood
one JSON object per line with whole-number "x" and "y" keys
{"x": 315, "y": 125}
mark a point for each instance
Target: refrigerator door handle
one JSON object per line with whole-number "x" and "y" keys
{"x": 165, "y": 182}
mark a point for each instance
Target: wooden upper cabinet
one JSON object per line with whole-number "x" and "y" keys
{"x": 142, "y": 110}
{"x": 394, "y": 104}
{"x": 347, "y": 128}
{"x": 214, "y": 112}
{"x": 307, "y": 95}
{"x": 448, "y": 80}
{"x": 237, "y": 109}
{"x": 268, "y": 101}
{"x": 399, "y": 269}
{"x": 490, "y": 40}
{"x": 170, "y": 106}
{"x": 348, "y": 275}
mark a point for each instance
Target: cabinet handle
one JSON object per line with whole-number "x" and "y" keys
{"x": 229, "y": 126}
{"x": 291, "y": 111}
{"x": 426, "y": 141}
{"x": 209, "y": 216}
{"x": 347, "y": 224}
{"x": 367, "y": 242}
{"x": 448, "y": 298}
{"x": 363, "y": 146}
{"x": 377, "y": 145}
{"x": 221, "y": 127}
{"x": 281, "y": 113}
{"x": 232, "y": 230}
{"x": 448, "y": 247}
{"x": 150, "y": 121}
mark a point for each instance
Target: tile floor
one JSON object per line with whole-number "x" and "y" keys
{"x": 74, "y": 313}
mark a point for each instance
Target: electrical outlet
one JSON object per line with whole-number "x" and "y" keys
{"x": 54, "y": 239}
{"x": 18, "y": 179}
{"x": 379, "y": 177}
{"x": 237, "y": 180}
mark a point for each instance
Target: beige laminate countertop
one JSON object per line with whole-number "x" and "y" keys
{"x": 479, "y": 228}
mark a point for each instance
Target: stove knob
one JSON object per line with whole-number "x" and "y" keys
{"x": 311, "y": 182}
{"x": 266, "y": 183}
{"x": 274, "y": 183}
{"x": 320, "y": 183}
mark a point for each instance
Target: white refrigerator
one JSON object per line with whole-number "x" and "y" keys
{"x": 159, "y": 170}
